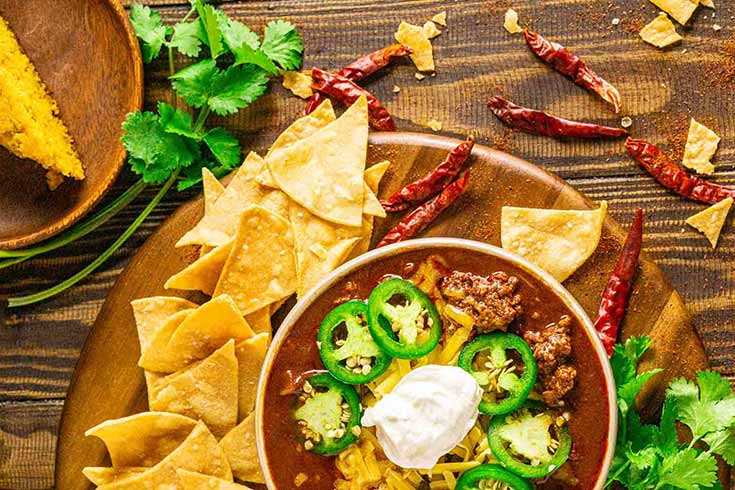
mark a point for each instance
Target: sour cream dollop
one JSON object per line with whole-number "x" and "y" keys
{"x": 427, "y": 414}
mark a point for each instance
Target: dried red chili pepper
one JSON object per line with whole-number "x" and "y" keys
{"x": 566, "y": 62}
{"x": 616, "y": 293}
{"x": 421, "y": 217}
{"x": 538, "y": 122}
{"x": 348, "y": 92}
{"x": 675, "y": 178}
{"x": 362, "y": 68}
{"x": 432, "y": 183}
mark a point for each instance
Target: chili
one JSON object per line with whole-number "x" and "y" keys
{"x": 432, "y": 183}
{"x": 474, "y": 478}
{"x": 347, "y": 92}
{"x": 497, "y": 375}
{"x": 569, "y": 64}
{"x": 329, "y": 412}
{"x": 355, "y": 358}
{"x": 616, "y": 293}
{"x": 538, "y": 122}
{"x": 421, "y": 217}
{"x": 408, "y": 330}
{"x": 675, "y": 178}
{"x": 362, "y": 68}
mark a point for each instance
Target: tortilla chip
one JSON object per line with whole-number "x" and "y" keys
{"x": 218, "y": 226}
{"x": 323, "y": 172}
{"x": 430, "y": 30}
{"x": 261, "y": 268}
{"x": 371, "y": 205}
{"x": 197, "y": 481}
{"x": 415, "y": 38}
{"x": 260, "y": 320}
{"x": 701, "y": 146}
{"x": 101, "y": 475}
{"x": 250, "y": 354}
{"x": 205, "y": 390}
{"x": 680, "y": 10}
{"x": 557, "y": 241}
{"x": 711, "y": 220}
{"x": 203, "y": 274}
{"x": 143, "y": 439}
{"x": 707, "y": 3}
{"x": 440, "y": 18}
{"x": 213, "y": 189}
{"x": 199, "y": 453}
{"x": 373, "y": 176}
{"x": 239, "y": 447}
{"x": 511, "y": 22}
{"x": 299, "y": 83}
{"x": 660, "y": 32}
{"x": 204, "y": 331}
{"x": 151, "y": 314}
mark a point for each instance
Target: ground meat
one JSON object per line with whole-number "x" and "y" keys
{"x": 552, "y": 348}
{"x": 492, "y": 302}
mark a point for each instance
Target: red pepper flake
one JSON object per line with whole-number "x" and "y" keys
{"x": 674, "y": 177}
{"x": 537, "y": 122}
{"x": 617, "y": 292}
{"x": 432, "y": 183}
{"x": 569, "y": 64}
{"x": 362, "y": 68}
{"x": 347, "y": 92}
{"x": 421, "y": 217}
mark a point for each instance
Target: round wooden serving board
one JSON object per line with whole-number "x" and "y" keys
{"x": 108, "y": 384}
{"x": 87, "y": 55}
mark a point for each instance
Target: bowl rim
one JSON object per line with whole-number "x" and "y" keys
{"x": 437, "y": 242}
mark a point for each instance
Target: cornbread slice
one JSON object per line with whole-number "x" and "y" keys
{"x": 29, "y": 122}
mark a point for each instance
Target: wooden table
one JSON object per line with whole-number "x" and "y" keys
{"x": 475, "y": 59}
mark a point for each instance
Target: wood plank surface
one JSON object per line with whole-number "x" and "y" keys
{"x": 475, "y": 59}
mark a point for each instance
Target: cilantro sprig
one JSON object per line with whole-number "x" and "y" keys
{"x": 230, "y": 68}
{"x": 649, "y": 456}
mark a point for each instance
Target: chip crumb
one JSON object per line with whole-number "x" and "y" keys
{"x": 415, "y": 38}
{"x": 711, "y": 220}
{"x": 511, "y": 22}
{"x": 420, "y": 76}
{"x": 701, "y": 146}
{"x": 626, "y": 122}
{"x": 434, "y": 125}
{"x": 431, "y": 30}
{"x": 717, "y": 27}
{"x": 441, "y": 18}
{"x": 660, "y": 32}
{"x": 396, "y": 89}
{"x": 616, "y": 21}
{"x": 300, "y": 479}
{"x": 708, "y": 3}
{"x": 299, "y": 83}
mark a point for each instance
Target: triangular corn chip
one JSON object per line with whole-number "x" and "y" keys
{"x": 213, "y": 189}
{"x": 157, "y": 344}
{"x": 711, "y": 220}
{"x": 203, "y": 274}
{"x": 324, "y": 172}
{"x": 373, "y": 175}
{"x": 143, "y": 439}
{"x": 199, "y": 453}
{"x": 101, "y": 475}
{"x": 415, "y": 38}
{"x": 219, "y": 225}
{"x": 261, "y": 268}
{"x": 700, "y": 148}
{"x": 197, "y": 481}
{"x": 206, "y": 390}
{"x": 151, "y": 314}
{"x": 239, "y": 447}
{"x": 557, "y": 241}
{"x": 371, "y": 205}
{"x": 250, "y": 354}
{"x": 260, "y": 320}
{"x": 205, "y": 330}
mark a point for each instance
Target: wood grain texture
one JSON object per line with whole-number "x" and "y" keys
{"x": 94, "y": 72}
{"x": 475, "y": 59}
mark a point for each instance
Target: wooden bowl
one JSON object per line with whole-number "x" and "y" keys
{"x": 87, "y": 55}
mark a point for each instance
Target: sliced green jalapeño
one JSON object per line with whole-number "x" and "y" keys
{"x": 486, "y": 475}
{"x": 530, "y": 445}
{"x": 346, "y": 347}
{"x": 403, "y": 320}
{"x": 505, "y": 387}
{"x": 328, "y": 415}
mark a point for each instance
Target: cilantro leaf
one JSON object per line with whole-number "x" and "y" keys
{"x": 244, "y": 44}
{"x": 701, "y": 415}
{"x": 177, "y": 121}
{"x": 211, "y": 34}
{"x": 282, "y": 44}
{"x": 245, "y": 54}
{"x": 150, "y": 30}
{"x": 191, "y": 176}
{"x": 193, "y": 83}
{"x": 688, "y": 469}
{"x": 722, "y": 442}
{"x": 237, "y": 87}
{"x": 224, "y": 147}
{"x": 624, "y": 363}
{"x": 713, "y": 386}
{"x": 187, "y": 38}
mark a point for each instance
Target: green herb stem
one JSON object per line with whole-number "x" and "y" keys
{"x": 202, "y": 119}
{"x": 62, "y": 286}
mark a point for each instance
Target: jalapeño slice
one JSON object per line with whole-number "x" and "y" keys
{"x": 328, "y": 415}
{"x": 529, "y": 445}
{"x": 403, "y": 320}
{"x": 486, "y": 359}
{"x": 485, "y": 475}
{"x": 346, "y": 347}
